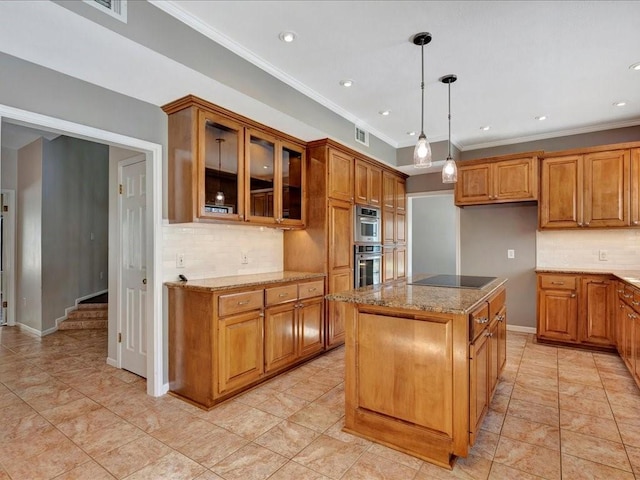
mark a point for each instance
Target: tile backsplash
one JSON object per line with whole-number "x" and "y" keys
{"x": 581, "y": 248}
{"x": 216, "y": 250}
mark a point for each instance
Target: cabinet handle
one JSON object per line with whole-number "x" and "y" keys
{"x": 557, "y": 283}
{"x": 586, "y": 224}
{"x": 488, "y": 334}
{"x": 636, "y": 222}
{"x": 283, "y": 295}
{"x": 243, "y": 302}
{"x": 312, "y": 289}
{"x": 580, "y": 224}
{"x": 482, "y": 320}
{"x": 625, "y": 295}
{"x": 573, "y": 295}
{"x": 620, "y": 291}
{"x": 598, "y": 282}
{"x": 241, "y": 217}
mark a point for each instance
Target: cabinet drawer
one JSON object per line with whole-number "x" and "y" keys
{"x": 635, "y": 301}
{"x": 239, "y": 302}
{"x": 310, "y": 289}
{"x": 558, "y": 282}
{"x": 478, "y": 320}
{"x": 277, "y": 295}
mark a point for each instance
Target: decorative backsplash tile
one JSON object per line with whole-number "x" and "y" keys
{"x": 216, "y": 250}
{"x": 582, "y": 248}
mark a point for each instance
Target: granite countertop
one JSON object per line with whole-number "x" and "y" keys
{"x": 631, "y": 276}
{"x": 252, "y": 280}
{"x": 400, "y": 294}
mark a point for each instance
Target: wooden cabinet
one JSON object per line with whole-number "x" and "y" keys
{"x": 512, "y": 178}
{"x": 222, "y": 342}
{"x": 628, "y": 318}
{"x": 577, "y": 309}
{"x": 586, "y": 190}
{"x": 394, "y": 227}
{"x": 368, "y": 183}
{"x": 487, "y": 356}
{"x": 634, "y": 187}
{"x": 340, "y": 176}
{"x": 225, "y": 167}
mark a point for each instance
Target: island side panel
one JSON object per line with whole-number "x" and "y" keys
{"x": 385, "y": 351}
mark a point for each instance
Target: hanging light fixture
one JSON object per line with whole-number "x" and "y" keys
{"x": 422, "y": 152}
{"x": 220, "y": 195}
{"x": 449, "y": 170}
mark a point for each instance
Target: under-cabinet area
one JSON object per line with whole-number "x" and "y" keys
{"x": 228, "y": 334}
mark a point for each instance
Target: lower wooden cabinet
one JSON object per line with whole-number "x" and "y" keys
{"x": 336, "y": 315}
{"x": 576, "y": 309}
{"x": 628, "y": 328}
{"x": 222, "y": 342}
{"x": 487, "y": 356}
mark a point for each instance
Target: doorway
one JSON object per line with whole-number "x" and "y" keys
{"x": 434, "y": 230}
{"x": 152, "y": 154}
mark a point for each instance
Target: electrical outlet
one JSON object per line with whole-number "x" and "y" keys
{"x": 180, "y": 262}
{"x": 511, "y": 253}
{"x": 602, "y": 255}
{"x": 244, "y": 258}
{"x": 101, "y": 275}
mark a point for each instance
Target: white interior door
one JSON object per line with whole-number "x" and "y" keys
{"x": 133, "y": 270}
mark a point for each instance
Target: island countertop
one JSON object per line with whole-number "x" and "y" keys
{"x": 250, "y": 280}
{"x": 401, "y": 294}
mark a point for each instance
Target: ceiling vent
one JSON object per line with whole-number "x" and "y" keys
{"x": 115, "y": 8}
{"x": 362, "y": 136}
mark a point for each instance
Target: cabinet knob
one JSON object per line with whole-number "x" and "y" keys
{"x": 586, "y": 224}
{"x": 573, "y": 295}
{"x": 580, "y": 224}
{"x": 241, "y": 217}
{"x": 636, "y": 222}
{"x": 557, "y": 283}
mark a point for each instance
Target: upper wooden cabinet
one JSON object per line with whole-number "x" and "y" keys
{"x": 588, "y": 190}
{"x": 368, "y": 183}
{"x": 340, "y": 176}
{"x": 225, "y": 167}
{"x": 634, "y": 187}
{"x": 512, "y": 178}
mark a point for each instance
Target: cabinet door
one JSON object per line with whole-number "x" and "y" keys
{"x": 597, "y": 311}
{"x": 388, "y": 191}
{"x": 311, "y": 326}
{"x": 400, "y": 260}
{"x": 388, "y": 264}
{"x": 240, "y": 354}
{"x": 262, "y": 172}
{"x": 400, "y": 228}
{"x": 473, "y": 185}
{"x": 561, "y": 187}
{"x": 494, "y": 360}
{"x": 634, "y": 186}
{"x": 340, "y": 235}
{"x": 338, "y": 282}
{"x": 502, "y": 339}
{"x": 388, "y": 226}
{"x": 515, "y": 179}
{"x": 606, "y": 177}
{"x": 361, "y": 191}
{"x": 558, "y": 315}
{"x": 478, "y": 384}
{"x": 280, "y": 347}
{"x": 340, "y": 184}
{"x": 635, "y": 352}
{"x": 375, "y": 186}
{"x": 627, "y": 347}
{"x": 401, "y": 195}
{"x": 291, "y": 209}
{"x": 220, "y": 176}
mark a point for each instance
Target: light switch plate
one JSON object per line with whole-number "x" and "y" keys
{"x": 511, "y": 253}
{"x": 602, "y": 255}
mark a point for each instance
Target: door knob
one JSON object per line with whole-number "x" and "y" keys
{"x": 144, "y": 281}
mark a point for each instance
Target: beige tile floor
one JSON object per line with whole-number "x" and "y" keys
{"x": 65, "y": 414}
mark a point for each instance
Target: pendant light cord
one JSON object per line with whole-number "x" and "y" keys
{"x": 449, "y": 85}
{"x": 422, "y": 88}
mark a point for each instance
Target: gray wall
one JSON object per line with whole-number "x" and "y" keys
{"x": 75, "y": 207}
{"x": 486, "y": 232}
{"x": 434, "y": 234}
{"x": 9, "y": 168}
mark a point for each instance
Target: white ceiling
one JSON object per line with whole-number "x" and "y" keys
{"x": 515, "y": 60}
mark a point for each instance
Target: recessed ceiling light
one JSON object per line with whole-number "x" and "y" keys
{"x": 346, "y": 83}
{"x": 619, "y": 104}
{"x": 635, "y": 66}
{"x": 541, "y": 118}
{"x": 385, "y": 113}
{"x": 411, "y": 134}
{"x": 287, "y": 37}
{"x": 485, "y": 128}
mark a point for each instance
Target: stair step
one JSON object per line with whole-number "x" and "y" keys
{"x": 83, "y": 323}
{"x": 93, "y": 306}
{"x": 88, "y": 314}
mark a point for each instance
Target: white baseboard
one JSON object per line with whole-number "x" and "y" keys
{"x": 165, "y": 389}
{"x": 29, "y": 329}
{"x": 518, "y": 328}
{"x": 112, "y": 362}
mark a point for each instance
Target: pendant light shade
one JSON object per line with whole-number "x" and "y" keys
{"x": 422, "y": 152}
{"x": 449, "y": 170}
{"x": 219, "y": 200}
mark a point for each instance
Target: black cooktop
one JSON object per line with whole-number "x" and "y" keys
{"x": 455, "y": 281}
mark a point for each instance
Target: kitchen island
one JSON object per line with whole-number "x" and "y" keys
{"x": 422, "y": 364}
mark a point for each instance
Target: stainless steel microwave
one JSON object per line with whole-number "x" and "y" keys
{"x": 367, "y": 225}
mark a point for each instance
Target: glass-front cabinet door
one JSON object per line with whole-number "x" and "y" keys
{"x": 292, "y": 188}
{"x": 262, "y": 176}
{"x": 221, "y": 168}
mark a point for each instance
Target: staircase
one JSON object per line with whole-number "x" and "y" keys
{"x": 87, "y": 315}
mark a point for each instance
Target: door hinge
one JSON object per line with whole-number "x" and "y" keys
{"x": 120, "y": 188}
{"x": 5, "y": 208}
{"x": 119, "y": 337}
{"x": 5, "y": 304}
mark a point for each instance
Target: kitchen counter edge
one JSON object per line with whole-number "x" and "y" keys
{"x": 251, "y": 280}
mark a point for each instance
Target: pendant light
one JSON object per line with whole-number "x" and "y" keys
{"x": 422, "y": 152}
{"x": 449, "y": 170}
{"x": 219, "y": 196}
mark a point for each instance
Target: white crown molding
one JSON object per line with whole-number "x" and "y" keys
{"x": 559, "y": 133}
{"x": 172, "y": 8}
